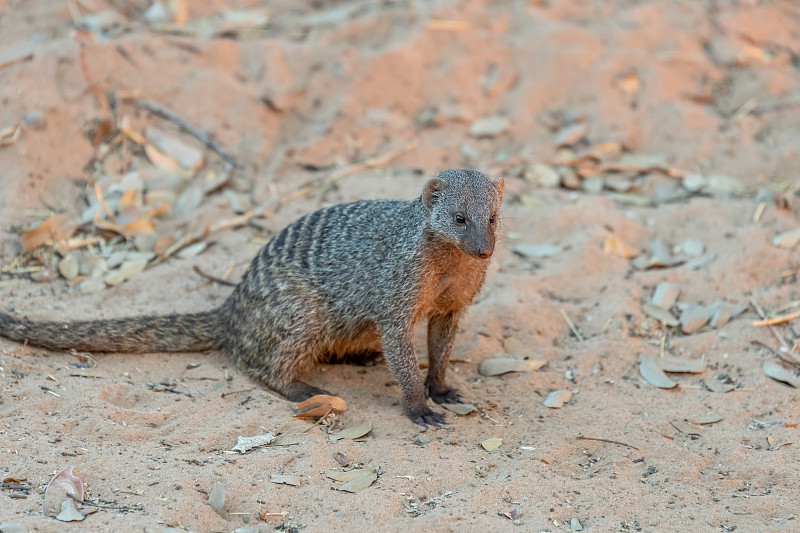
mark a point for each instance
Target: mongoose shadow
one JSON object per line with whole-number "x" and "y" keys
{"x": 351, "y": 278}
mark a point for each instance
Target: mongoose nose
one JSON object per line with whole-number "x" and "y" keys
{"x": 485, "y": 253}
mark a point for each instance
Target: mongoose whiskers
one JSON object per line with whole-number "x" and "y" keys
{"x": 351, "y": 278}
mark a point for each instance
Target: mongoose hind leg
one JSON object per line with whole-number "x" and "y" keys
{"x": 441, "y": 334}
{"x": 402, "y": 361}
{"x": 297, "y": 391}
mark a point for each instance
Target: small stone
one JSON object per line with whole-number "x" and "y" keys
{"x": 619, "y": 184}
{"x": 694, "y": 318}
{"x": 669, "y": 192}
{"x": 593, "y": 185}
{"x": 422, "y": 440}
{"x": 68, "y": 267}
{"x": 569, "y": 178}
{"x": 575, "y": 525}
{"x": 693, "y": 247}
{"x": 489, "y": 126}
{"x": 700, "y": 262}
{"x": 544, "y": 175}
{"x": 91, "y": 286}
{"x": 572, "y": 134}
{"x": 665, "y": 295}
{"x": 12, "y": 527}
{"x": 694, "y": 182}
{"x": 34, "y": 120}
{"x": 726, "y": 184}
{"x": 787, "y": 239}
{"x": 722, "y": 312}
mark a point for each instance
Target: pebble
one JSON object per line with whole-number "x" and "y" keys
{"x": 490, "y": 126}
{"x": 68, "y": 267}
{"x": 544, "y": 175}
{"x": 693, "y": 247}
{"x": 665, "y": 295}
{"x": 34, "y": 120}
{"x": 694, "y": 318}
{"x": 593, "y": 185}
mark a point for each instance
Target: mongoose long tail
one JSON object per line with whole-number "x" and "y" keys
{"x": 164, "y": 333}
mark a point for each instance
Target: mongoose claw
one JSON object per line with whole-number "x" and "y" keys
{"x": 430, "y": 418}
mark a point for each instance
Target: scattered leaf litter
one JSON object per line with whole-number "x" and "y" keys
{"x": 557, "y": 399}
{"x": 353, "y": 480}
{"x": 353, "y": 432}
{"x": 779, "y": 373}
{"x": 461, "y": 409}
{"x": 503, "y": 365}
{"x": 492, "y": 443}
{"x": 246, "y": 444}
{"x": 216, "y": 500}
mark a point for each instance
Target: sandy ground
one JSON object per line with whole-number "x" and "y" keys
{"x": 704, "y": 87}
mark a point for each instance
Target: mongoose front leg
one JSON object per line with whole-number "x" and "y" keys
{"x": 441, "y": 334}
{"x": 402, "y": 360}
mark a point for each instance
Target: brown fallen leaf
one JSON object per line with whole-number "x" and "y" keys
{"x": 613, "y": 245}
{"x": 54, "y": 228}
{"x": 138, "y": 227}
{"x": 320, "y": 405}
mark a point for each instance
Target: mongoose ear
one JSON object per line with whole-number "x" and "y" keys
{"x": 432, "y": 189}
{"x": 500, "y": 185}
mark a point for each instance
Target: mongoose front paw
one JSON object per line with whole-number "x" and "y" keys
{"x": 428, "y": 418}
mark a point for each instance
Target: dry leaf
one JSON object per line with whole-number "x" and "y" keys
{"x": 674, "y": 364}
{"x": 776, "y": 371}
{"x": 69, "y": 513}
{"x": 70, "y": 483}
{"x": 502, "y": 365}
{"x": 216, "y": 500}
{"x": 629, "y": 84}
{"x": 352, "y": 432}
{"x": 613, "y": 245}
{"x": 557, "y": 399}
{"x": 285, "y": 479}
{"x": 159, "y": 159}
{"x": 711, "y": 418}
{"x": 715, "y": 385}
{"x": 652, "y": 372}
{"x": 787, "y": 239}
{"x": 354, "y": 480}
{"x": 320, "y": 405}
{"x": 492, "y": 444}
{"x": 660, "y": 314}
{"x": 56, "y": 227}
{"x": 461, "y": 409}
{"x": 687, "y": 428}
{"x": 138, "y": 227}
{"x": 245, "y": 444}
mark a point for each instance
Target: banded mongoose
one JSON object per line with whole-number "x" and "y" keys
{"x": 348, "y": 279}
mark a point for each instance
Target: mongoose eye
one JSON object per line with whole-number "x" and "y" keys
{"x": 460, "y": 219}
{"x": 491, "y": 219}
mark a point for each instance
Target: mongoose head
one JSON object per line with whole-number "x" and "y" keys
{"x": 464, "y": 208}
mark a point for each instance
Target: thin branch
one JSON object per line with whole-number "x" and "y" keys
{"x": 581, "y": 437}
{"x": 199, "y": 134}
{"x": 215, "y": 279}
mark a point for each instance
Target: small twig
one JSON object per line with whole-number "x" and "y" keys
{"x": 771, "y": 327}
{"x": 137, "y": 507}
{"x": 199, "y": 134}
{"x": 775, "y": 352}
{"x": 777, "y": 320}
{"x": 571, "y": 325}
{"x": 581, "y": 437}
{"x": 215, "y": 279}
{"x": 319, "y": 420}
{"x": 367, "y": 164}
{"x": 226, "y": 394}
{"x": 17, "y": 61}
